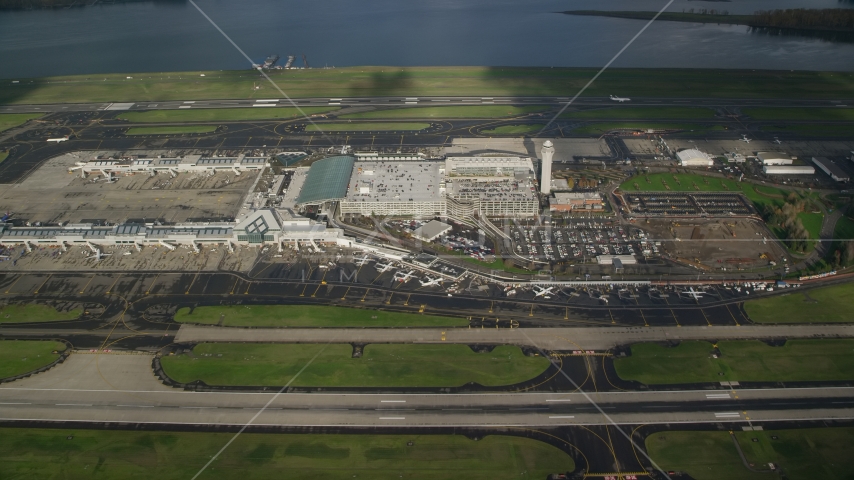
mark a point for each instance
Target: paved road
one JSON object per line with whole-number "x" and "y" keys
{"x": 122, "y": 388}
{"x": 410, "y": 101}
{"x": 581, "y": 338}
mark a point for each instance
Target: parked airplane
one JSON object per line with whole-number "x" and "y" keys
{"x": 745, "y": 139}
{"x": 98, "y": 256}
{"x": 620, "y": 99}
{"x": 540, "y": 291}
{"x": 693, "y": 294}
{"x": 404, "y": 277}
{"x": 430, "y": 282}
{"x": 58, "y": 139}
{"x": 777, "y": 141}
{"x": 382, "y": 268}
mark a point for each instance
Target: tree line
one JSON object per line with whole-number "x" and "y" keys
{"x": 831, "y": 18}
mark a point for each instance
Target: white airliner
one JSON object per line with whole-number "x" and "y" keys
{"x": 382, "y": 268}
{"x": 404, "y": 277}
{"x": 430, "y": 282}
{"x": 98, "y": 256}
{"x": 777, "y": 141}
{"x": 745, "y": 139}
{"x": 620, "y": 99}
{"x": 58, "y": 139}
{"x": 540, "y": 291}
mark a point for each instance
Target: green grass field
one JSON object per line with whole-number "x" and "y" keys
{"x": 812, "y": 130}
{"x": 464, "y": 111}
{"x": 11, "y": 120}
{"x": 22, "y": 356}
{"x": 832, "y": 304}
{"x": 804, "y": 114}
{"x": 219, "y": 114}
{"x": 366, "y": 127}
{"x": 812, "y": 222}
{"x": 309, "y": 316}
{"x": 513, "y": 130}
{"x": 600, "y": 128}
{"x": 740, "y": 360}
{"x": 804, "y": 454}
{"x": 381, "y": 365}
{"x": 643, "y": 113}
{"x": 34, "y": 312}
{"x": 3, "y": 156}
{"x": 120, "y": 455}
{"x": 430, "y": 81}
{"x": 171, "y": 130}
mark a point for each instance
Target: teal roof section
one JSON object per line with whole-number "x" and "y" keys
{"x": 327, "y": 180}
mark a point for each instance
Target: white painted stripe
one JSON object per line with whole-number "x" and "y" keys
{"x": 392, "y": 401}
{"x": 717, "y": 395}
{"x": 392, "y": 418}
{"x": 265, "y": 105}
{"x": 411, "y": 103}
{"x": 15, "y": 403}
{"x": 335, "y": 103}
{"x": 335, "y": 99}
{"x": 562, "y": 416}
{"x": 434, "y": 100}
{"x": 184, "y": 106}
{"x": 73, "y": 404}
{"x": 197, "y": 407}
{"x": 190, "y": 102}
{"x": 269, "y": 100}
{"x": 558, "y": 400}
{"x": 137, "y": 406}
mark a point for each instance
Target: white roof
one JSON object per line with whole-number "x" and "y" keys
{"x": 692, "y": 153}
{"x": 417, "y": 181}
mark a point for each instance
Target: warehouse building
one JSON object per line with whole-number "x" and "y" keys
{"x": 788, "y": 170}
{"x": 829, "y": 167}
{"x": 694, "y": 158}
{"x": 774, "y": 158}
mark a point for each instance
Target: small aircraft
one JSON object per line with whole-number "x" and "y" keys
{"x": 404, "y": 277}
{"x": 382, "y": 268}
{"x": 98, "y": 255}
{"x": 58, "y": 139}
{"x": 620, "y": 99}
{"x": 777, "y": 141}
{"x": 745, "y": 139}
{"x": 540, "y": 291}
{"x": 362, "y": 261}
{"x": 692, "y": 294}
{"x": 430, "y": 282}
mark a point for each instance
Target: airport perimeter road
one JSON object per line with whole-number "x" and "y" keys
{"x": 581, "y": 338}
{"x": 408, "y": 102}
{"x": 122, "y": 388}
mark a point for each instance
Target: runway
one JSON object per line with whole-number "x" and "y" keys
{"x": 411, "y": 102}
{"x": 110, "y": 388}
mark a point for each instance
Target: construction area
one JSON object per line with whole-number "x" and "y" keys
{"x": 721, "y": 245}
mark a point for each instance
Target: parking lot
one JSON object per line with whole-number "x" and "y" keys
{"x": 579, "y": 240}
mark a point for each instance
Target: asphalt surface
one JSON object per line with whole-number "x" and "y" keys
{"x": 412, "y": 101}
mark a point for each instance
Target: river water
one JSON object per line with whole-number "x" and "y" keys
{"x": 172, "y": 35}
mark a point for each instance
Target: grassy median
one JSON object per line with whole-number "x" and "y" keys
{"x": 309, "y": 316}
{"x": 642, "y": 113}
{"x": 833, "y": 304}
{"x": 219, "y": 114}
{"x": 11, "y": 120}
{"x": 34, "y": 312}
{"x": 77, "y": 453}
{"x": 513, "y": 129}
{"x": 456, "y": 111}
{"x": 740, "y": 360}
{"x": 430, "y": 81}
{"x": 602, "y": 128}
{"x": 174, "y": 130}
{"x": 804, "y": 454}
{"x": 22, "y": 356}
{"x": 380, "y": 365}
{"x": 366, "y": 127}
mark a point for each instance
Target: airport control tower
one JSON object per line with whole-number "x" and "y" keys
{"x": 547, "y": 153}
